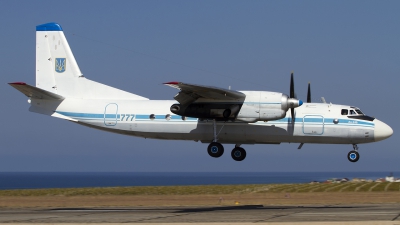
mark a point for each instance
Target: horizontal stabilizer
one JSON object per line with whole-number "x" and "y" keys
{"x": 34, "y": 92}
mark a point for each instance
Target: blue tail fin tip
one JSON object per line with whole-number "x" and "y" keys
{"x": 49, "y": 27}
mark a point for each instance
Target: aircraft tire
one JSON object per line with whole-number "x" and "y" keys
{"x": 215, "y": 149}
{"x": 353, "y": 156}
{"x": 238, "y": 154}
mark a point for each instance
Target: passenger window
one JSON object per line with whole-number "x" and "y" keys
{"x": 152, "y": 116}
{"x": 352, "y": 112}
{"x": 345, "y": 111}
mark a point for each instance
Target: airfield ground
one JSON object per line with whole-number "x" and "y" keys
{"x": 223, "y": 195}
{"x": 199, "y": 200}
{"x": 342, "y": 203}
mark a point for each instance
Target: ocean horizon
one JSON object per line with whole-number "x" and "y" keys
{"x": 38, "y": 180}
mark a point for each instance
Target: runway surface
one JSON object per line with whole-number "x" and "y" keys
{"x": 382, "y": 213}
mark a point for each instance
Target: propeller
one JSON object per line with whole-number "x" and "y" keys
{"x": 292, "y": 95}
{"x": 309, "y": 93}
{"x": 293, "y": 101}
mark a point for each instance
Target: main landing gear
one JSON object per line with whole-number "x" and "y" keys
{"x": 215, "y": 149}
{"x": 238, "y": 153}
{"x": 353, "y": 156}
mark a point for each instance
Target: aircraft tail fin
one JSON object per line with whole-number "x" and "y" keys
{"x": 58, "y": 72}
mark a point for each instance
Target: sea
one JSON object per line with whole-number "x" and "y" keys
{"x": 37, "y": 180}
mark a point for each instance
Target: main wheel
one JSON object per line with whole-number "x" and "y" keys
{"x": 238, "y": 154}
{"x": 353, "y": 156}
{"x": 215, "y": 149}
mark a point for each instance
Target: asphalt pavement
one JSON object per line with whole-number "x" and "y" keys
{"x": 320, "y": 214}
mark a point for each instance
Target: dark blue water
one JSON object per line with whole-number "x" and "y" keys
{"x": 70, "y": 180}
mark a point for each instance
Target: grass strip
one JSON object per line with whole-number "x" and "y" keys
{"x": 281, "y": 187}
{"x": 146, "y": 190}
{"x": 323, "y": 187}
{"x": 308, "y": 187}
{"x": 365, "y": 188}
{"x": 336, "y": 187}
{"x": 206, "y": 189}
{"x": 394, "y": 187}
{"x": 380, "y": 187}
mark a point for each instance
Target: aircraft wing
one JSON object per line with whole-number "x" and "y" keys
{"x": 34, "y": 92}
{"x": 191, "y": 92}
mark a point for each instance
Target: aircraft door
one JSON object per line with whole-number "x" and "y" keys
{"x": 313, "y": 124}
{"x": 110, "y": 114}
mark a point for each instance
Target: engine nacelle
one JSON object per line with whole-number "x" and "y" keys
{"x": 257, "y": 106}
{"x": 264, "y": 106}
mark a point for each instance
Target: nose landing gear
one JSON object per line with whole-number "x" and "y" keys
{"x": 353, "y": 156}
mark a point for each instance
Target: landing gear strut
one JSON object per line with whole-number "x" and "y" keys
{"x": 353, "y": 156}
{"x": 215, "y": 149}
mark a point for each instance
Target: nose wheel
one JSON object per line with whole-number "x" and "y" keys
{"x": 353, "y": 156}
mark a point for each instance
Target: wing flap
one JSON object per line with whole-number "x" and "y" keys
{"x": 34, "y": 92}
{"x": 191, "y": 92}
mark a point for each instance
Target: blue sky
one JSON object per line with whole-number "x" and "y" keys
{"x": 348, "y": 50}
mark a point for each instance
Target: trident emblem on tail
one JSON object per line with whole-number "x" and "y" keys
{"x": 60, "y": 65}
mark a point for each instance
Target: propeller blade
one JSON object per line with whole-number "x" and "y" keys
{"x": 293, "y": 101}
{"x": 292, "y": 112}
{"x": 292, "y": 94}
{"x": 309, "y": 93}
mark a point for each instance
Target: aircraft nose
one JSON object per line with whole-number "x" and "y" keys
{"x": 382, "y": 130}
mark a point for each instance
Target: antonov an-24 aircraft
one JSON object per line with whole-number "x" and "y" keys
{"x": 200, "y": 113}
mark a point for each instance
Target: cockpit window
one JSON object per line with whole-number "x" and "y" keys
{"x": 360, "y": 115}
{"x": 359, "y": 112}
{"x": 345, "y": 111}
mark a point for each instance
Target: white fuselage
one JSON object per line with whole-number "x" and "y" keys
{"x": 314, "y": 123}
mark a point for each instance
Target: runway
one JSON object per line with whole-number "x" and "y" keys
{"x": 356, "y": 214}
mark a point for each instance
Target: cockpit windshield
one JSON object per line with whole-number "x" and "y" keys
{"x": 357, "y": 110}
{"x": 356, "y": 113}
{"x": 352, "y": 111}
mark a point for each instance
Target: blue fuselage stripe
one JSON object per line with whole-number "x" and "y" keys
{"x": 145, "y": 117}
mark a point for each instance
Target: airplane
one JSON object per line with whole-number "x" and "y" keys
{"x": 201, "y": 113}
